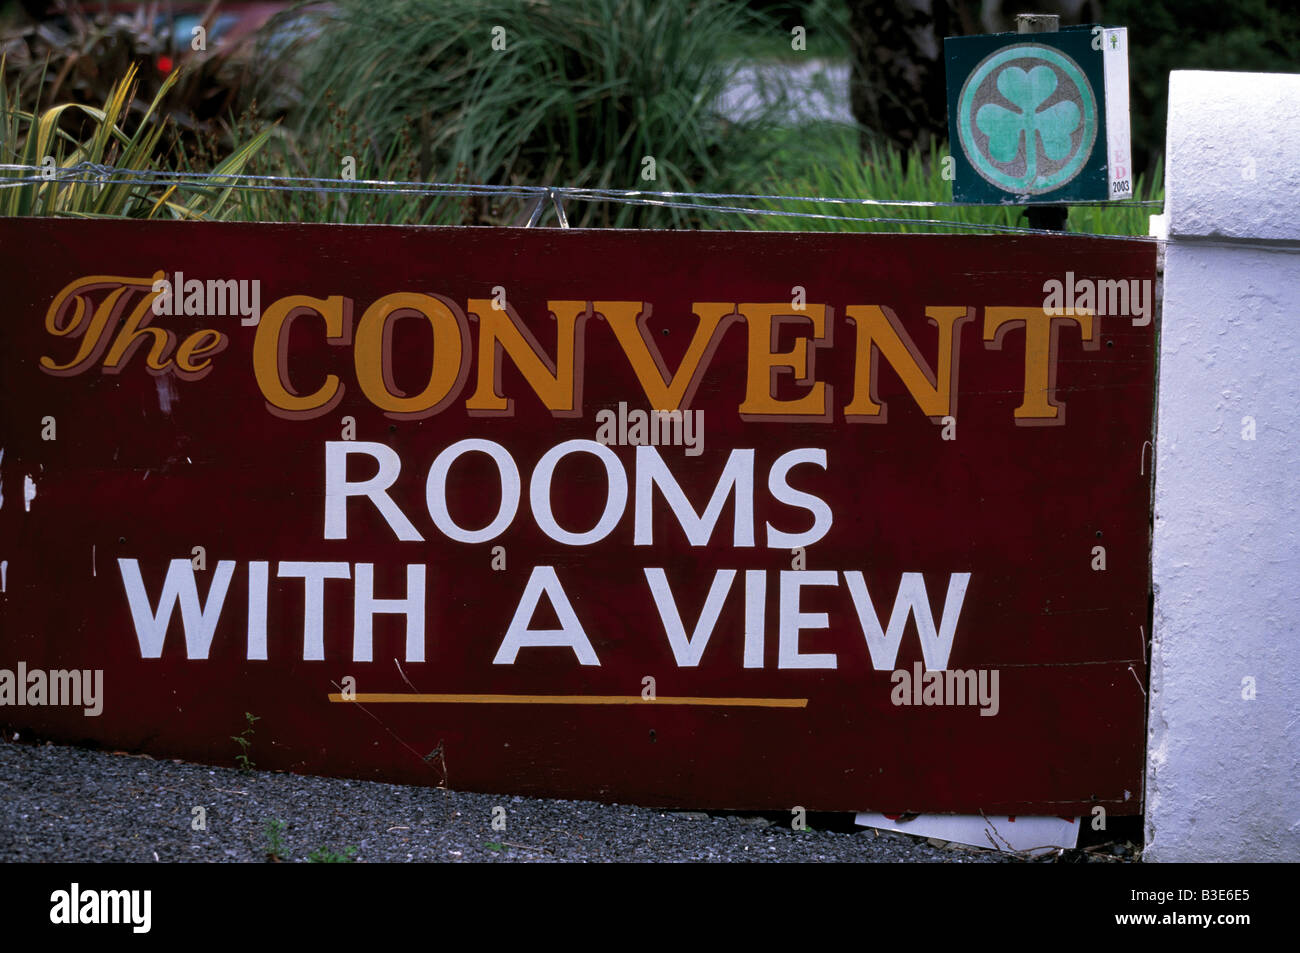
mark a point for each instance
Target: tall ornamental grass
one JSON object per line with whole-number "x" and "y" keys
{"x": 591, "y": 93}
{"x": 107, "y": 136}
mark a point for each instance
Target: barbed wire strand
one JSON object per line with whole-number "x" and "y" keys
{"x": 351, "y": 185}
{"x": 89, "y": 173}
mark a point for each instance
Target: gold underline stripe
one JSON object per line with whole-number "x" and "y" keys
{"x": 409, "y": 697}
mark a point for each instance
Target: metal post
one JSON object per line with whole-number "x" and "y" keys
{"x": 1049, "y": 217}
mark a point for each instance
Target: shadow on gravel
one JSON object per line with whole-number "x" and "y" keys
{"x": 60, "y": 803}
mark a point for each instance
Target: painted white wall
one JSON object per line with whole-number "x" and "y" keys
{"x": 1223, "y": 772}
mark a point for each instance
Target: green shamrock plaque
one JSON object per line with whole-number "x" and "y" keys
{"x": 1039, "y": 117}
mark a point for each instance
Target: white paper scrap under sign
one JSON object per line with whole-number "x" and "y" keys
{"x": 1003, "y": 833}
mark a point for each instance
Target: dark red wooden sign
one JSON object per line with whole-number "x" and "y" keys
{"x": 847, "y": 522}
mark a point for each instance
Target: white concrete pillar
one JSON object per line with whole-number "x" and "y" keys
{"x": 1223, "y": 769}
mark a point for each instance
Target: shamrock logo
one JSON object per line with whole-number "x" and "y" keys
{"x": 1004, "y": 127}
{"x": 1027, "y": 119}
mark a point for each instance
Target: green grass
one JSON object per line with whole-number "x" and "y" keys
{"x": 826, "y": 36}
{"x": 823, "y": 160}
{"x": 277, "y": 851}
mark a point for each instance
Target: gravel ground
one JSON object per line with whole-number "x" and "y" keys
{"x": 72, "y": 804}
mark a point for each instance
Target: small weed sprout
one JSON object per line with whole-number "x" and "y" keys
{"x": 275, "y": 849}
{"x": 323, "y": 855}
{"x": 245, "y": 740}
